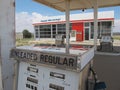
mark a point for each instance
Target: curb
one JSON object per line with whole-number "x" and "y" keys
{"x": 106, "y": 53}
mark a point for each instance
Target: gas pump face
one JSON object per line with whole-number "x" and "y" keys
{"x": 50, "y": 68}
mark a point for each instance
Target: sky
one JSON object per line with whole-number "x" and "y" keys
{"x": 28, "y": 11}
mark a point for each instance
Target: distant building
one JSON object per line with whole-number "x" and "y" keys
{"x": 19, "y": 35}
{"x": 81, "y": 26}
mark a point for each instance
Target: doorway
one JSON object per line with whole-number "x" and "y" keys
{"x": 87, "y": 31}
{"x": 87, "y": 34}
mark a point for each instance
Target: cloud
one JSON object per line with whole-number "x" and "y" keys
{"x": 24, "y": 20}
{"x": 116, "y": 27}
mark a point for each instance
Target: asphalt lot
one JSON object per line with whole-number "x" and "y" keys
{"x": 108, "y": 70}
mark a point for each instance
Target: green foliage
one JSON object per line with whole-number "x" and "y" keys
{"x": 26, "y": 34}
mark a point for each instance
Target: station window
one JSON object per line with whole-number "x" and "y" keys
{"x": 87, "y": 24}
{"x": 106, "y": 28}
{"x": 62, "y": 28}
{"x": 36, "y": 33}
{"x": 54, "y": 30}
{"x": 45, "y": 31}
{"x": 36, "y": 27}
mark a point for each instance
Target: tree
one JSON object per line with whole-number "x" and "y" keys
{"x": 26, "y": 34}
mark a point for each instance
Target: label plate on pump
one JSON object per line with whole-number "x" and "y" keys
{"x": 60, "y": 60}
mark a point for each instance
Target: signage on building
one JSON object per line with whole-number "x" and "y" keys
{"x": 54, "y": 59}
{"x": 51, "y": 20}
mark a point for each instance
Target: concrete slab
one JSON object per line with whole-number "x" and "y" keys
{"x": 108, "y": 69}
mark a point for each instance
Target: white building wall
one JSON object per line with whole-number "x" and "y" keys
{"x": 88, "y": 16}
{"x": 81, "y": 16}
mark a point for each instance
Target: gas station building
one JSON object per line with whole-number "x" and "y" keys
{"x": 81, "y": 26}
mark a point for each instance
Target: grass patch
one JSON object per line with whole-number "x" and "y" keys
{"x": 116, "y": 37}
{"x": 30, "y": 41}
{"x": 22, "y": 42}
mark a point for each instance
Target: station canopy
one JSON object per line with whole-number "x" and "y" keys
{"x": 78, "y": 4}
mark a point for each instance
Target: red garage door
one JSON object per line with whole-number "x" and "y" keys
{"x": 79, "y": 31}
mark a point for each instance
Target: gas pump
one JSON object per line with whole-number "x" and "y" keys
{"x": 48, "y": 67}
{"x": 59, "y": 40}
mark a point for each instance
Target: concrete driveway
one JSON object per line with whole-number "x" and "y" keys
{"x": 107, "y": 68}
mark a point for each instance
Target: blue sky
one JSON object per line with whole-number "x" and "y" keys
{"x": 25, "y": 9}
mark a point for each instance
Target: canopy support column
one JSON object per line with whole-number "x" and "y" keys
{"x": 95, "y": 23}
{"x": 67, "y": 13}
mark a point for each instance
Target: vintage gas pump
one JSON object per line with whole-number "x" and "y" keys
{"x": 59, "y": 40}
{"x": 48, "y": 67}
